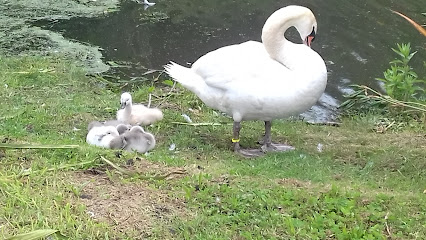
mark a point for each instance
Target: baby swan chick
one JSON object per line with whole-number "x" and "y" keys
{"x": 121, "y": 126}
{"x": 134, "y": 140}
{"x": 137, "y": 114}
{"x": 100, "y": 135}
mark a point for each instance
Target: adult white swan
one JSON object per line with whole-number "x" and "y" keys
{"x": 261, "y": 81}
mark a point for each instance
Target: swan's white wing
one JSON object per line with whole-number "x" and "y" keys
{"x": 237, "y": 65}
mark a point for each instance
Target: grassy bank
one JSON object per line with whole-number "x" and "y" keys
{"x": 361, "y": 185}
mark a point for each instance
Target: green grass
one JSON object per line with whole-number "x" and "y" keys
{"x": 363, "y": 185}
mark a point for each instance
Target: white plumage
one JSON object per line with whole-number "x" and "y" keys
{"x": 101, "y": 136}
{"x": 137, "y": 114}
{"x": 260, "y": 81}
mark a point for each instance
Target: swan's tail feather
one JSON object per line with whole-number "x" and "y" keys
{"x": 185, "y": 76}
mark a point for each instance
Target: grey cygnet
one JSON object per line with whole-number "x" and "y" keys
{"x": 134, "y": 140}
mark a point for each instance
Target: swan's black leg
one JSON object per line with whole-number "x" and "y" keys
{"x": 267, "y": 139}
{"x": 267, "y": 142}
{"x": 249, "y": 153}
{"x": 236, "y": 136}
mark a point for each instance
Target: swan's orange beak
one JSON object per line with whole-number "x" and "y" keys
{"x": 310, "y": 38}
{"x": 308, "y": 41}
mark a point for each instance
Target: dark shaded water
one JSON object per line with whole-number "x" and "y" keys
{"x": 354, "y": 37}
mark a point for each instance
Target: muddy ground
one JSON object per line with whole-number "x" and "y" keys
{"x": 131, "y": 207}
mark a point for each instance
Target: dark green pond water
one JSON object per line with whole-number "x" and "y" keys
{"x": 354, "y": 37}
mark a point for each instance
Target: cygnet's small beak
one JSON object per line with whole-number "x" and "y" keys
{"x": 101, "y": 136}
{"x": 122, "y": 105}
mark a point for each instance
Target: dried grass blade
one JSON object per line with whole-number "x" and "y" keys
{"x": 198, "y": 124}
{"x": 37, "y": 234}
{"x": 416, "y": 25}
{"x": 31, "y": 146}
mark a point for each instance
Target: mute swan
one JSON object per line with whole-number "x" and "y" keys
{"x": 101, "y": 136}
{"x": 134, "y": 140}
{"x": 260, "y": 81}
{"x": 137, "y": 114}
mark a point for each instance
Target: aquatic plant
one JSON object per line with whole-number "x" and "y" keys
{"x": 400, "y": 80}
{"x": 402, "y": 86}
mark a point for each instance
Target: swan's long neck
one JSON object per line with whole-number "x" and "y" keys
{"x": 277, "y": 46}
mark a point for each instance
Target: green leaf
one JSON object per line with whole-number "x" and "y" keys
{"x": 411, "y": 55}
{"x": 168, "y": 83}
{"x": 396, "y": 61}
{"x": 151, "y": 89}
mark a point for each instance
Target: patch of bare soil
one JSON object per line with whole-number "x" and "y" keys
{"x": 131, "y": 207}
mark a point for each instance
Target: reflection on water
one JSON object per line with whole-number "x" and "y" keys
{"x": 354, "y": 37}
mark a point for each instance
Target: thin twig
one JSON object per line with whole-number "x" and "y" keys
{"x": 333, "y": 124}
{"x": 386, "y": 224}
{"x": 168, "y": 94}
{"x": 149, "y": 100}
{"x": 122, "y": 170}
{"x": 198, "y": 124}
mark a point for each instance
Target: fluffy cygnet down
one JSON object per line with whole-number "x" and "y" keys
{"x": 101, "y": 135}
{"x": 121, "y": 126}
{"x": 134, "y": 140}
{"x": 137, "y": 114}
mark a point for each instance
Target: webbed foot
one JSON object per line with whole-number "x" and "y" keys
{"x": 277, "y": 147}
{"x": 250, "y": 153}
